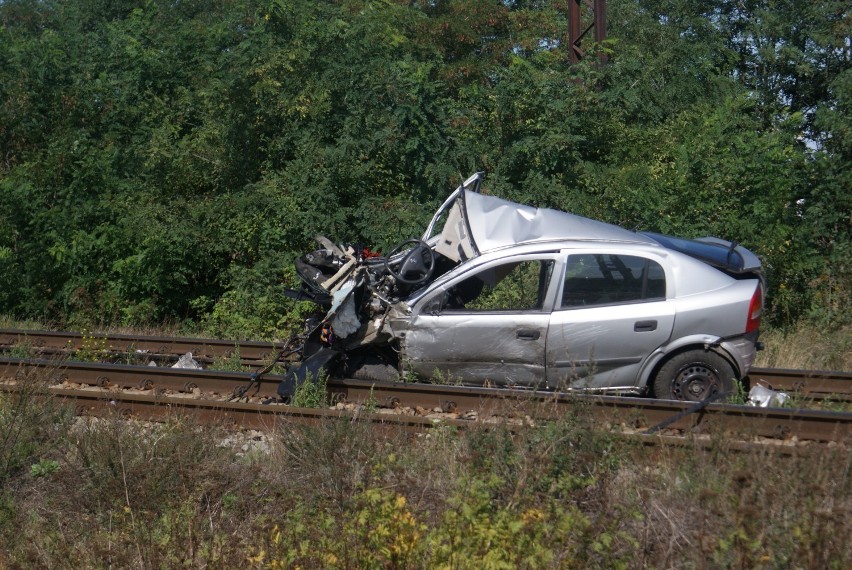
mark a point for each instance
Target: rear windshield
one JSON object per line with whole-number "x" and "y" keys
{"x": 716, "y": 254}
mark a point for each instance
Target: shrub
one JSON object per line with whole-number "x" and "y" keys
{"x": 32, "y": 423}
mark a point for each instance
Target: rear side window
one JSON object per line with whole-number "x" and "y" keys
{"x": 606, "y": 279}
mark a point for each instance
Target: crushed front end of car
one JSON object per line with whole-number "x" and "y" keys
{"x": 361, "y": 293}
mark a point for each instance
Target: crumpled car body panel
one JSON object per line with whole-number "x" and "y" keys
{"x": 496, "y": 223}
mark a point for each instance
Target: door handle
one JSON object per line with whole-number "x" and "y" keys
{"x": 645, "y": 326}
{"x": 529, "y": 334}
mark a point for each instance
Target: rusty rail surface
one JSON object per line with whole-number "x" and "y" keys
{"x": 239, "y": 415}
{"x": 635, "y": 414}
{"x": 158, "y": 407}
{"x": 814, "y": 384}
{"x": 58, "y": 342}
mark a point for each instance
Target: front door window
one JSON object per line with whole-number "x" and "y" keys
{"x": 517, "y": 286}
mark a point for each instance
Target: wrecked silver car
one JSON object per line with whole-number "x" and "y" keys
{"x": 495, "y": 293}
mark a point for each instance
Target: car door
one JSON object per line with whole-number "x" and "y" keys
{"x": 486, "y": 326}
{"x": 611, "y": 315}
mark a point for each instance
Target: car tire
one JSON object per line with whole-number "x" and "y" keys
{"x": 694, "y": 376}
{"x": 376, "y": 372}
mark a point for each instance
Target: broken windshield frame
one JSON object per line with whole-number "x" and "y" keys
{"x": 473, "y": 183}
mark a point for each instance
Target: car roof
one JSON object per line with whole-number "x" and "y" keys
{"x": 496, "y": 223}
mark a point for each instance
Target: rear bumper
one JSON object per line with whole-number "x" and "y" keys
{"x": 743, "y": 350}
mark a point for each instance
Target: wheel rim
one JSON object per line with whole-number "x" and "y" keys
{"x": 695, "y": 381}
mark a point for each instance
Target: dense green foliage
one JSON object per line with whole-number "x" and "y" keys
{"x": 167, "y": 160}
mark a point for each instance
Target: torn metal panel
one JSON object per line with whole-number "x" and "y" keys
{"x": 187, "y": 361}
{"x": 343, "y": 315}
{"x": 764, "y": 397}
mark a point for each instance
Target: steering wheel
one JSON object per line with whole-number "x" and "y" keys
{"x": 419, "y": 261}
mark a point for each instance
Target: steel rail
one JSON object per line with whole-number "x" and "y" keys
{"x": 201, "y": 348}
{"x": 814, "y": 384}
{"x": 820, "y": 383}
{"x": 158, "y": 407}
{"x": 98, "y": 402}
{"x": 635, "y": 413}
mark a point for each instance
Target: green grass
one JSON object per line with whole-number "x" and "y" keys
{"x": 807, "y": 347}
{"x": 312, "y": 393}
{"x": 230, "y": 362}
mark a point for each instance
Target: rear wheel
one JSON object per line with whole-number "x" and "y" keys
{"x": 694, "y": 376}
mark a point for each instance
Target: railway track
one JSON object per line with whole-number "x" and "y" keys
{"x": 155, "y": 347}
{"x": 811, "y": 384}
{"x": 145, "y": 391}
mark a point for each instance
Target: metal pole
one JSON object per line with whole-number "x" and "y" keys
{"x": 577, "y": 30}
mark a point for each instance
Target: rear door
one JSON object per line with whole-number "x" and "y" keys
{"x": 612, "y": 313}
{"x": 487, "y": 326}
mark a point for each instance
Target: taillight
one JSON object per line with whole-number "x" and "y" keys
{"x": 755, "y": 308}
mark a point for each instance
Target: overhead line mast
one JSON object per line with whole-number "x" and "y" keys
{"x": 578, "y": 29}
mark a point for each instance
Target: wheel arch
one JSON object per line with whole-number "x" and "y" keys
{"x": 696, "y": 342}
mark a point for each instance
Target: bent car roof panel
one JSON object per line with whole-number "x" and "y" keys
{"x": 495, "y": 223}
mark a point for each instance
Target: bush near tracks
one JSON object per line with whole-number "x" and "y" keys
{"x": 32, "y": 425}
{"x": 123, "y": 494}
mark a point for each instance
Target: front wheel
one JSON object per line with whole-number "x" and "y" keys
{"x": 694, "y": 376}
